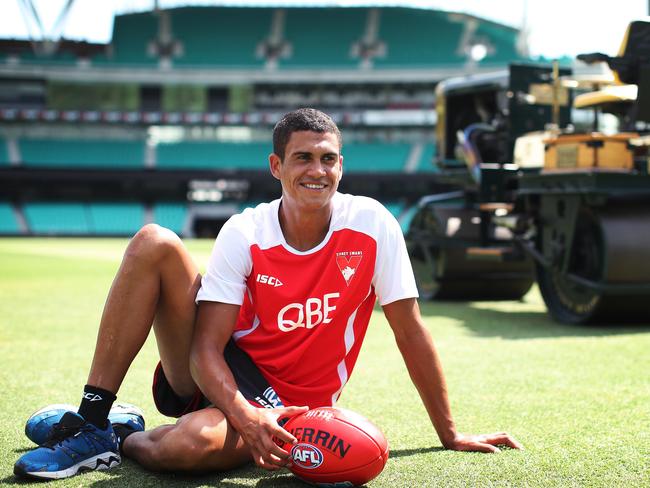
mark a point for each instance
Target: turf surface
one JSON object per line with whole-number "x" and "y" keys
{"x": 577, "y": 397}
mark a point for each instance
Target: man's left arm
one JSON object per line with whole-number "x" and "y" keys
{"x": 416, "y": 345}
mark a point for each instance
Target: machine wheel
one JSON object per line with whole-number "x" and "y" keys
{"x": 572, "y": 303}
{"x": 566, "y": 301}
{"x": 443, "y": 274}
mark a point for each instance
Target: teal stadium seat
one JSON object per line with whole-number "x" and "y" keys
{"x": 170, "y": 215}
{"x": 116, "y": 218}
{"x": 425, "y": 164}
{"x": 132, "y": 34}
{"x": 214, "y": 155}
{"x": 375, "y": 157}
{"x": 57, "y": 218}
{"x": 418, "y": 37}
{"x": 8, "y": 222}
{"x": 4, "y": 153}
{"x": 82, "y": 153}
{"x": 323, "y": 37}
{"x": 220, "y": 36}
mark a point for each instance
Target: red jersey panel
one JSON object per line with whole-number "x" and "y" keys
{"x": 304, "y": 314}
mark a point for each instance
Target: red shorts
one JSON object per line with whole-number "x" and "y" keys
{"x": 250, "y": 382}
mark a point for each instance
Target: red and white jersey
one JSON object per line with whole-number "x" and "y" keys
{"x": 304, "y": 314}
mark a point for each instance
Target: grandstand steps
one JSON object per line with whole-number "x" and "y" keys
{"x": 148, "y": 214}
{"x": 17, "y": 210}
{"x": 150, "y": 155}
{"x": 413, "y": 159}
{"x": 13, "y": 151}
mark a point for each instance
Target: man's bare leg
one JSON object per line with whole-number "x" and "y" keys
{"x": 200, "y": 441}
{"x": 156, "y": 283}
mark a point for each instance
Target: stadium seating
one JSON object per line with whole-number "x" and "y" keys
{"x": 323, "y": 37}
{"x": 214, "y": 155}
{"x": 132, "y": 34}
{"x": 431, "y": 38}
{"x": 8, "y": 222}
{"x": 4, "y": 153}
{"x": 170, "y": 215}
{"x": 57, "y": 218}
{"x": 375, "y": 157}
{"x": 220, "y": 36}
{"x": 115, "y": 218}
{"x": 82, "y": 153}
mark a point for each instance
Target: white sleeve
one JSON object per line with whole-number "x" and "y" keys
{"x": 229, "y": 265}
{"x": 393, "y": 279}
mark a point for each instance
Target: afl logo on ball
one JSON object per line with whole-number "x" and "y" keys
{"x": 306, "y": 456}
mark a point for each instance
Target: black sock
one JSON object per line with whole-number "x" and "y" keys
{"x": 122, "y": 431}
{"x": 95, "y": 405}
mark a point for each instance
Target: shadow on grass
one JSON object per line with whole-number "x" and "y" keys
{"x": 484, "y": 321}
{"x": 410, "y": 452}
{"x": 131, "y": 474}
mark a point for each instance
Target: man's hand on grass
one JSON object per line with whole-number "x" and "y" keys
{"x": 483, "y": 442}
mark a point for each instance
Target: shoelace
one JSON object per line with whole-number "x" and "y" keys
{"x": 61, "y": 432}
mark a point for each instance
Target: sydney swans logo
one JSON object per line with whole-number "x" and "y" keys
{"x": 348, "y": 262}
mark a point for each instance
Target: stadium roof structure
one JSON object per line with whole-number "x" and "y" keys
{"x": 224, "y": 45}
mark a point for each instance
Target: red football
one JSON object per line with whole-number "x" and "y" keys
{"x": 336, "y": 446}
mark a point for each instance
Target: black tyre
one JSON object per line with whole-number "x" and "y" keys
{"x": 572, "y": 303}
{"x": 446, "y": 274}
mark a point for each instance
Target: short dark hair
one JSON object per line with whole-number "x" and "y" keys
{"x": 302, "y": 119}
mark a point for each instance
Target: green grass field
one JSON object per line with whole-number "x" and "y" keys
{"x": 577, "y": 397}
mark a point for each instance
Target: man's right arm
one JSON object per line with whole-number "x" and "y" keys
{"x": 214, "y": 325}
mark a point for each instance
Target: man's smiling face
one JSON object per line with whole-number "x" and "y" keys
{"x": 311, "y": 170}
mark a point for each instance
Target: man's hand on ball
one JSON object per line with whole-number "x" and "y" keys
{"x": 260, "y": 428}
{"x": 484, "y": 442}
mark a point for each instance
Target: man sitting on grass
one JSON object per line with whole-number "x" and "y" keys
{"x": 273, "y": 328}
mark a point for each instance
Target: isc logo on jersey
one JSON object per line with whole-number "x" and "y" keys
{"x": 268, "y": 280}
{"x": 313, "y": 312}
{"x": 306, "y": 456}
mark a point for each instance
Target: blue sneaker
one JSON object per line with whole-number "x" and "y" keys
{"x": 74, "y": 445}
{"x": 41, "y": 423}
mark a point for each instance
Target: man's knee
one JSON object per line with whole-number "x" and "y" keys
{"x": 202, "y": 441}
{"x": 153, "y": 242}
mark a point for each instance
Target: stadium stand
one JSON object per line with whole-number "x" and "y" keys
{"x": 198, "y": 70}
{"x": 57, "y": 218}
{"x": 213, "y": 155}
{"x": 220, "y": 36}
{"x": 82, "y": 153}
{"x": 115, "y": 218}
{"x": 8, "y": 222}
{"x": 434, "y": 34}
{"x": 375, "y": 156}
{"x": 323, "y": 37}
{"x": 132, "y": 34}
{"x": 170, "y": 215}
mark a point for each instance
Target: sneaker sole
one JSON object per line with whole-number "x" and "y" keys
{"x": 100, "y": 462}
{"x": 125, "y": 408}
